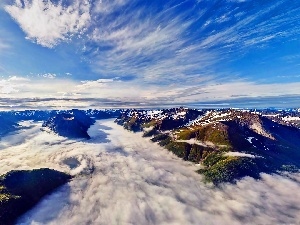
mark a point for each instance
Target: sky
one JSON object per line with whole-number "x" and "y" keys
{"x": 139, "y": 53}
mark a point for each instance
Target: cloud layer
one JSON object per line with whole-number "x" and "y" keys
{"x": 125, "y": 179}
{"x": 63, "y": 92}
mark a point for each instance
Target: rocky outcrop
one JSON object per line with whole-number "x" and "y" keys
{"x": 73, "y": 124}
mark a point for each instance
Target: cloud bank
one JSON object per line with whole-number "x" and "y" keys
{"x": 62, "y": 92}
{"x": 125, "y": 179}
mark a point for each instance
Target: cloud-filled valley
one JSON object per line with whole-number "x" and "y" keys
{"x": 122, "y": 178}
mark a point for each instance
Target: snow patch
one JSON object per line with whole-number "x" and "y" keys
{"x": 290, "y": 118}
{"x": 250, "y": 139}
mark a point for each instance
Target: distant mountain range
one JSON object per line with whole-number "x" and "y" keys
{"x": 68, "y": 123}
{"x": 229, "y": 143}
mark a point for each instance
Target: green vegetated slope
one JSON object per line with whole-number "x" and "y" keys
{"x": 20, "y": 190}
{"x": 229, "y": 144}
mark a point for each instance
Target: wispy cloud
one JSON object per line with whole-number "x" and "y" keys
{"x": 107, "y": 6}
{"x": 48, "y": 23}
{"x": 232, "y": 90}
{"x": 170, "y": 46}
{"x": 4, "y": 46}
{"x": 153, "y": 47}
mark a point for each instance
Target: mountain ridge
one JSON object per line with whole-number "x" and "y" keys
{"x": 229, "y": 143}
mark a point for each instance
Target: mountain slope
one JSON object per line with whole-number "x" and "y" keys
{"x": 228, "y": 143}
{"x": 72, "y": 125}
{"x": 20, "y": 190}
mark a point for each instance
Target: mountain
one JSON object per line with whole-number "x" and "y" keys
{"x": 228, "y": 143}
{"x": 41, "y": 115}
{"x": 20, "y": 190}
{"x": 104, "y": 113}
{"x": 166, "y": 119}
{"x": 73, "y": 124}
{"x": 8, "y": 124}
{"x": 290, "y": 117}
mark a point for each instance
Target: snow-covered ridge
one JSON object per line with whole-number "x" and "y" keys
{"x": 160, "y": 115}
{"x": 290, "y": 118}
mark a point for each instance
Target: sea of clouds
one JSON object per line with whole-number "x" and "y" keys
{"x": 122, "y": 178}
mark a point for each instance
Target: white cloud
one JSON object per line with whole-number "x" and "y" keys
{"x": 126, "y": 179}
{"x": 48, "y": 23}
{"x": 240, "y": 154}
{"x": 11, "y": 85}
{"x": 91, "y": 83}
{"x": 17, "y": 79}
{"x": 8, "y": 90}
{"x": 28, "y": 87}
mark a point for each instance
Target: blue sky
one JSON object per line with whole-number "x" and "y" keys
{"x": 110, "y": 53}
